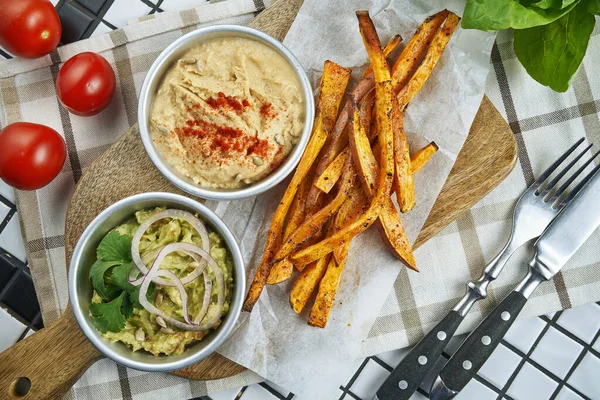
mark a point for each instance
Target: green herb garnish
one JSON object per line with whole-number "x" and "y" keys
{"x": 109, "y": 316}
{"x": 109, "y": 276}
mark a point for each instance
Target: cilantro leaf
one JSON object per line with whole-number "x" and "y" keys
{"x": 134, "y": 296}
{"x": 127, "y": 307}
{"x": 120, "y": 276}
{"x": 115, "y": 247}
{"x": 97, "y": 272}
{"x": 108, "y": 316}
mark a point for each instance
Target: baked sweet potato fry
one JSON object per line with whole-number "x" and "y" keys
{"x": 389, "y": 223}
{"x": 336, "y": 142}
{"x": 348, "y": 213}
{"x": 297, "y": 211}
{"x": 364, "y": 160}
{"x": 404, "y": 183}
{"x": 332, "y": 173}
{"x": 381, "y": 71}
{"x": 307, "y": 282}
{"x": 334, "y": 81}
{"x": 438, "y": 44}
{"x": 319, "y": 313}
{"x": 280, "y": 272}
{"x": 330, "y": 95}
{"x": 420, "y": 157}
{"x": 383, "y": 106}
{"x": 313, "y": 223}
{"x": 353, "y": 207}
{"x": 275, "y": 233}
{"x": 387, "y": 50}
{"x": 415, "y": 49}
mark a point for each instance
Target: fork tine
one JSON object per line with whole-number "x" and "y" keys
{"x": 555, "y": 165}
{"x": 574, "y": 176}
{"x": 562, "y": 173}
{"x": 579, "y": 186}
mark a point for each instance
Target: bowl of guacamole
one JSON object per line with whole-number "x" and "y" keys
{"x": 156, "y": 282}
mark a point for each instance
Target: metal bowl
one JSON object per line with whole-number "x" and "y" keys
{"x": 80, "y": 288}
{"x": 153, "y": 79}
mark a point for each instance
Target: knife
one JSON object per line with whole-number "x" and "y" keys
{"x": 559, "y": 242}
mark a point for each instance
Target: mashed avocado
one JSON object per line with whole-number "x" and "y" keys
{"x": 141, "y": 330}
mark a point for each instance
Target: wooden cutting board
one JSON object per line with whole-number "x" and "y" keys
{"x": 55, "y": 357}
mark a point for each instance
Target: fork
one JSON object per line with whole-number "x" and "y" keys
{"x": 534, "y": 211}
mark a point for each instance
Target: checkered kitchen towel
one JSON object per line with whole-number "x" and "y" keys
{"x": 27, "y": 93}
{"x": 545, "y": 123}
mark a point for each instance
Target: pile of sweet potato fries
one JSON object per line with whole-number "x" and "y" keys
{"x": 323, "y": 208}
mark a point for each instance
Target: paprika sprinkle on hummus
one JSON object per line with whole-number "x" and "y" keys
{"x": 228, "y": 112}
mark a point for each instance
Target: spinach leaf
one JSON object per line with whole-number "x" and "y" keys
{"x": 493, "y": 15}
{"x": 546, "y": 4}
{"x": 593, "y": 7}
{"x": 552, "y": 53}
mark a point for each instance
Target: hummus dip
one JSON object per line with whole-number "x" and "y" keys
{"x": 228, "y": 112}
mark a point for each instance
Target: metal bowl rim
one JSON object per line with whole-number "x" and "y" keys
{"x": 260, "y": 186}
{"x": 220, "y": 334}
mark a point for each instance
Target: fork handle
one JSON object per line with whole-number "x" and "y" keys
{"x": 477, "y": 289}
{"x": 482, "y": 342}
{"x": 412, "y": 370}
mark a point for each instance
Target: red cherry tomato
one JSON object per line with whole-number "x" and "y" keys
{"x": 29, "y": 28}
{"x": 85, "y": 84}
{"x": 31, "y": 155}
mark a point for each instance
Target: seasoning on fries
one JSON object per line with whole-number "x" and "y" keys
{"x": 357, "y": 157}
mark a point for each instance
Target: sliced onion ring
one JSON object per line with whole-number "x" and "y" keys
{"x": 184, "y": 299}
{"x": 179, "y": 214}
{"x": 165, "y": 282}
{"x": 198, "y": 324}
{"x": 206, "y": 299}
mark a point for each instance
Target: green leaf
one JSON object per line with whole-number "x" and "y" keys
{"x": 493, "y": 15}
{"x": 546, "y": 4}
{"x": 593, "y": 7}
{"x": 120, "y": 277}
{"x": 134, "y": 295}
{"x": 97, "y": 273}
{"x": 115, "y": 247}
{"x": 127, "y": 307}
{"x": 552, "y": 54}
{"x": 108, "y": 316}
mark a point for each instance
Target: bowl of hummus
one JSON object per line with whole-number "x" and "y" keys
{"x": 156, "y": 282}
{"x": 225, "y": 112}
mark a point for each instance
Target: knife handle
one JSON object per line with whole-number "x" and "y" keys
{"x": 412, "y": 370}
{"x": 480, "y": 344}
